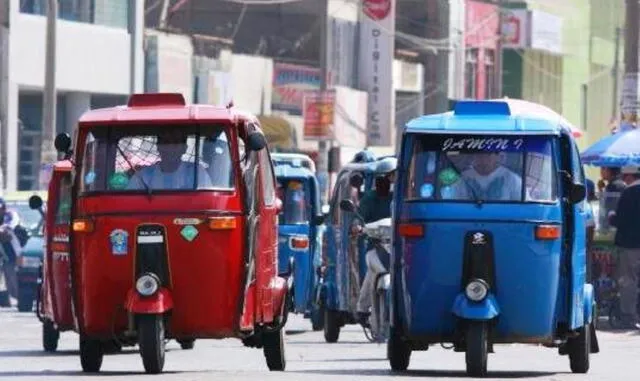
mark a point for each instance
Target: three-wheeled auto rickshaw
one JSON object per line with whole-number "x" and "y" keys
{"x": 344, "y": 249}
{"x": 172, "y": 229}
{"x": 489, "y": 243}
{"x": 299, "y": 235}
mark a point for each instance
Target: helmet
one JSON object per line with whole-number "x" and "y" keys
{"x": 386, "y": 165}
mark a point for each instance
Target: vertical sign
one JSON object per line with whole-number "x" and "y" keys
{"x": 376, "y": 69}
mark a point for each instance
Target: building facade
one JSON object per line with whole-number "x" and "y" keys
{"x": 99, "y": 63}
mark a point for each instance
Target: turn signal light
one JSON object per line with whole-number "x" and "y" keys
{"x": 222, "y": 223}
{"x": 83, "y": 226}
{"x": 547, "y": 232}
{"x": 299, "y": 243}
{"x": 411, "y": 230}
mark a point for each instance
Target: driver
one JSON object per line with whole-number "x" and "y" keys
{"x": 374, "y": 206}
{"x": 171, "y": 172}
{"x": 489, "y": 180}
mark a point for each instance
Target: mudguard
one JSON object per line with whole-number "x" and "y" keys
{"x": 280, "y": 290}
{"x": 467, "y": 309}
{"x": 158, "y": 303}
{"x": 329, "y": 295}
{"x": 588, "y": 303}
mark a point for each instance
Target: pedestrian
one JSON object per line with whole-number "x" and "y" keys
{"x": 610, "y": 188}
{"x": 10, "y": 249}
{"x": 627, "y": 242}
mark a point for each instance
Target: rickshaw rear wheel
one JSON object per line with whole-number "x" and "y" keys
{"x": 91, "y": 354}
{"x": 317, "y": 318}
{"x": 50, "y": 336}
{"x": 477, "y": 349}
{"x": 580, "y": 350}
{"x": 273, "y": 348}
{"x": 398, "y": 351}
{"x": 151, "y": 342}
{"x": 187, "y": 343}
{"x": 331, "y": 326}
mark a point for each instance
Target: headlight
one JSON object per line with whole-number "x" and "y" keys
{"x": 477, "y": 290}
{"x": 147, "y": 284}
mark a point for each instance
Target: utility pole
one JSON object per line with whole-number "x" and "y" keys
{"x": 323, "y": 145}
{"x": 630, "y": 85}
{"x": 616, "y": 74}
{"x": 499, "y": 52}
{"x": 48, "y": 154}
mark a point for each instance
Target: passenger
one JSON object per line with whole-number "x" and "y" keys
{"x": 376, "y": 203}
{"x": 171, "y": 172}
{"x": 488, "y": 180}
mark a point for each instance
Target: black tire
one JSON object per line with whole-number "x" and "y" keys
{"x": 317, "y": 318}
{"x": 91, "y": 354}
{"x": 25, "y": 301}
{"x": 4, "y": 298}
{"x": 477, "y": 351}
{"x": 580, "y": 350}
{"x": 331, "y": 326}
{"x": 273, "y": 348}
{"x": 398, "y": 351}
{"x": 50, "y": 336}
{"x": 151, "y": 342}
{"x": 187, "y": 344}
{"x": 383, "y": 316}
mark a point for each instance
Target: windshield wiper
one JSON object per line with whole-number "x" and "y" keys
{"x": 135, "y": 170}
{"x": 452, "y": 165}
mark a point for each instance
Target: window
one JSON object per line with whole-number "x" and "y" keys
{"x": 471, "y": 68}
{"x": 296, "y": 202}
{"x": 63, "y": 208}
{"x": 157, "y": 158}
{"x": 266, "y": 178}
{"x": 482, "y": 168}
{"x": 489, "y": 75}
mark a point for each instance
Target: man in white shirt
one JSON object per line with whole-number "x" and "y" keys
{"x": 171, "y": 172}
{"x": 489, "y": 180}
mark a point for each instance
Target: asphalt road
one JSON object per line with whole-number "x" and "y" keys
{"x": 309, "y": 358}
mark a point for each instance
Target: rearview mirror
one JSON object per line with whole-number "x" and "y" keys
{"x": 35, "y": 202}
{"x": 347, "y": 205}
{"x": 577, "y": 193}
{"x": 63, "y": 143}
{"x": 256, "y": 141}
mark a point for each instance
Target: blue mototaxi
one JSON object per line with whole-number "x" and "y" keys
{"x": 489, "y": 243}
{"x": 344, "y": 264}
{"x": 300, "y": 236}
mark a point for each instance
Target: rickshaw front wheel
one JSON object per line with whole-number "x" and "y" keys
{"x": 91, "y": 354}
{"x": 580, "y": 350}
{"x": 50, "y": 336}
{"x": 477, "y": 352}
{"x": 273, "y": 348}
{"x": 317, "y": 318}
{"x": 331, "y": 326}
{"x": 398, "y": 351}
{"x": 151, "y": 342}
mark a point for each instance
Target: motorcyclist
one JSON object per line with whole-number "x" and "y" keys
{"x": 374, "y": 206}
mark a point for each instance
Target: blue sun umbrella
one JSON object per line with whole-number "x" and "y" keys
{"x": 618, "y": 150}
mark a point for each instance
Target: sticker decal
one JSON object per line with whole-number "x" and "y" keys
{"x": 189, "y": 232}
{"x": 447, "y": 193}
{"x": 118, "y": 181}
{"x": 187, "y": 221}
{"x": 119, "y": 242}
{"x": 153, "y": 235}
{"x": 448, "y": 176}
{"x": 426, "y": 190}
{"x": 89, "y": 178}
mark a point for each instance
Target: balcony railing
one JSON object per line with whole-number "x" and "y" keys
{"x": 113, "y": 13}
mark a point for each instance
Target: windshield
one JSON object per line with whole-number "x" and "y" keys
{"x": 482, "y": 169}
{"x": 296, "y": 202}
{"x": 150, "y": 158}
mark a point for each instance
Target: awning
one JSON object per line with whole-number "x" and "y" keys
{"x": 278, "y": 131}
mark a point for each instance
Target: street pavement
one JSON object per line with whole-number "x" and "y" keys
{"x": 309, "y": 358}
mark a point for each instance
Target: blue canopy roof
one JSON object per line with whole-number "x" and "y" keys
{"x": 502, "y": 116}
{"x": 618, "y": 150}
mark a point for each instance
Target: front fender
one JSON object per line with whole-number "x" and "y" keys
{"x": 158, "y": 303}
{"x": 467, "y": 309}
{"x": 280, "y": 289}
{"x": 589, "y": 301}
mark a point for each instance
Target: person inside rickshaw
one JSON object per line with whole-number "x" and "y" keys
{"x": 295, "y": 203}
{"x": 375, "y": 204}
{"x": 488, "y": 179}
{"x": 171, "y": 171}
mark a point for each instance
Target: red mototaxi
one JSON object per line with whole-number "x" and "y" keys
{"x": 153, "y": 281}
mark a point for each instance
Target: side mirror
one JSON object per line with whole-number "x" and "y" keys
{"x": 35, "y": 202}
{"x": 256, "y": 141}
{"x": 577, "y": 193}
{"x": 347, "y": 205}
{"x": 278, "y": 204}
{"x": 63, "y": 143}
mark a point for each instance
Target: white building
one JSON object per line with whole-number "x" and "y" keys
{"x": 99, "y": 63}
